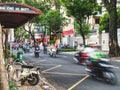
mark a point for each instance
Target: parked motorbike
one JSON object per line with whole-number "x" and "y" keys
{"x": 36, "y": 52}
{"x": 80, "y": 58}
{"x": 19, "y": 72}
{"x": 102, "y": 70}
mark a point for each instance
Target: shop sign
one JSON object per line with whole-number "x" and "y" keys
{"x": 16, "y": 8}
{"x": 68, "y": 32}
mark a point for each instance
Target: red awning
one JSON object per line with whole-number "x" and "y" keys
{"x": 68, "y": 32}
{"x": 13, "y": 15}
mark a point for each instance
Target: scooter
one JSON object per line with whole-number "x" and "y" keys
{"x": 19, "y": 72}
{"x": 80, "y": 58}
{"x": 52, "y": 52}
{"x": 102, "y": 70}
{"x": 36, "y": 52}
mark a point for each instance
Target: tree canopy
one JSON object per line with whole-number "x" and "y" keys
{"x": 104, "y": 23}
{"x": 85, "y": 28}
{"x": 81, "y": 10}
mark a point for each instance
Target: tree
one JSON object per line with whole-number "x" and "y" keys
{"x": 54, "y": 3}
{"x": 85, "y": 28}
{"x": 57, "y": 6}
{"x": 118, "y": 17}
{"x": 19, "y": 33}
{"x": 29, "y": 29}
{"x": 110, "y": 5}
{"x": 80, "y": 10}
{"x": 104, "y": 23}
{"x": 6, "y": 33}
{"x": 3, "y": 79}
{"x": 54, "y": 21}
{"x": 37, "y": 20}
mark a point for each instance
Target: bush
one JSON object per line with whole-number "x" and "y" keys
{"x": 68, "y": 49}
{"x": 12, "y": 86}
{"x": 13, "y": 56}
{"x": 51, "y": 41}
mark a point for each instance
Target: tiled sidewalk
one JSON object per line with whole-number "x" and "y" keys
{"x": 43, "y": 85}
{"x": 30, "y": 88}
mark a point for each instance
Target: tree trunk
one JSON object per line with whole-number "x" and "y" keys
{"x": 6, "y": 44}
{"x": 3, "y": 78}
{"x": 84, "y": 40}
{"x": 113, "y": 41}
{"x": 34, "y": 41}
{"x": 82, "y": 34}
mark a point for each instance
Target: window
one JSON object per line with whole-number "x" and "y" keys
{"x": 96, "y": 21}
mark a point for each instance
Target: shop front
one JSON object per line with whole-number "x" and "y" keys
{"x": 68, "y": 37}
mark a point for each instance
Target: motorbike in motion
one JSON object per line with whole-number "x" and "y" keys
{"x": 102, "y": 70}
{"x": 36, "y": 52}
{"x": 19, "y": 72}
{"x": 52, "y": 52}
{"x": 80, "y": 58}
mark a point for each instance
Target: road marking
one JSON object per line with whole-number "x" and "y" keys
{"x": 73, "y": 86}
{"x": 65, "y": 73}
{"x": 37, "y": 61}
{"x": 51, "y": 68}
{"x": 49, "y": 64}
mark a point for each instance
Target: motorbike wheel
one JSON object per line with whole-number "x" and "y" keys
{"x": 110, "y": 77}
{"x": 36, "y": 55}
{"x": 51, "y": 54}
{"x": 54, "y": 54}
{"x": 34, "y": 79}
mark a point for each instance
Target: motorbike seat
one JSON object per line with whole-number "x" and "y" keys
{"x": 27, "y": 66}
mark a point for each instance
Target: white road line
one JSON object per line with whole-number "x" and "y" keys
{"x": 49, "y": 64}
{"x": 51, "y": 68}
{"x": 37, "y": 61}
{"x": 77, "y": 74}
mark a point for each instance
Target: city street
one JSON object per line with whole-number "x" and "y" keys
{"x": 64, "y": 74}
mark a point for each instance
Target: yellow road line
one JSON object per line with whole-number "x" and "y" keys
{"x": 78, "y": 82}
{"x": 51, "y": 68}
{"x": 65, "y": 73}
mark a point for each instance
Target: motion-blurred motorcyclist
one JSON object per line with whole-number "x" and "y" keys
{"x": 37, "y": 50}
{"x": 94, "y": 55}
{"x": 52, "y": 49}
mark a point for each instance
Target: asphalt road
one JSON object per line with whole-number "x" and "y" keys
{"x": 64, "y": 74}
